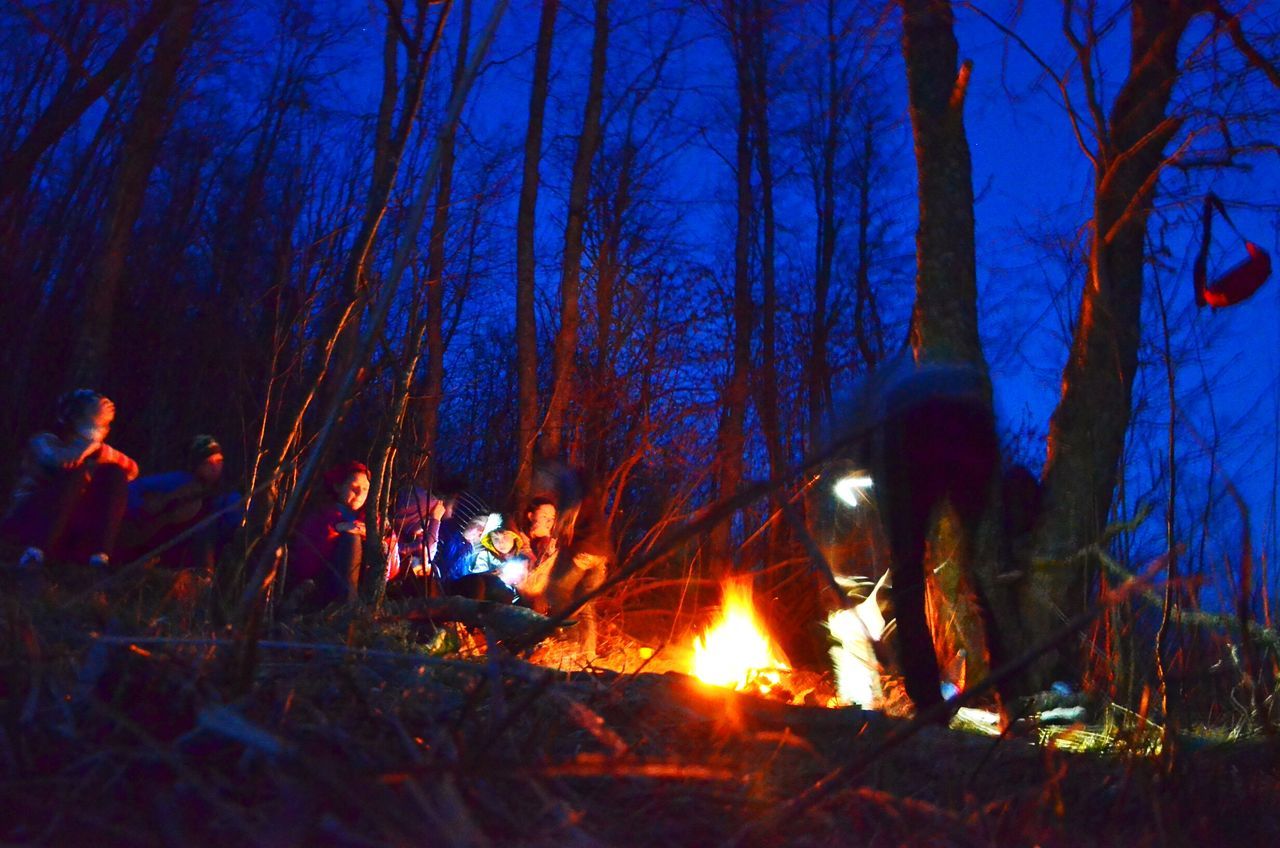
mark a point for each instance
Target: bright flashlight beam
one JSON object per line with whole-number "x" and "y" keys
{"x": 849, "y": 487}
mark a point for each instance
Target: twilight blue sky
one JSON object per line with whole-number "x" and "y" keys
{"x": 1033, "y": 186}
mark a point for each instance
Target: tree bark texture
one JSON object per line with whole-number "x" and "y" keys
{"x": 526, "y": 317}
{"x": 566, "y": 348}
{"x": 945, "y": 318}
{"x": 731, "y": 435}
{"x": 137, "y": 158}
{"x": 1087, "y": 429}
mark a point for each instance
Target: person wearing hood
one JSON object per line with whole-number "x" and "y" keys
{"x": 505, "y": 554}
{"x": 465, "y": 564}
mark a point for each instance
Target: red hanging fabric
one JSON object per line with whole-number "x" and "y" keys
{"x": 1238, "y": 283}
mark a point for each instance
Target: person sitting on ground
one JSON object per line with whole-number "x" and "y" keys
{"x": 502, "y": 554}
{"x": 417, "y": 518}
{"x": 327, "y": 550}
{"x": 72, "y": 489}
{"x": 163, "y": 507}
{"x": 458, "y": 551}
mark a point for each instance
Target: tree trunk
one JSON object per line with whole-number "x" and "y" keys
{"x": 767, "y": 375}
{"x": 433, "y": 390}
{"x": 819, "y": 369}
{"x": 731, "y": 435}
{"x": 944, "y": 322}
{"x": 571, "y": 270}
{"x": 526, "y": 318}
{"x": 945, "y": 316}
{"x": 1087, "y": 429}
{"x": 142, "y": 140}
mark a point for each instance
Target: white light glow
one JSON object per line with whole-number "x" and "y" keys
{"x": 851, "y": 488}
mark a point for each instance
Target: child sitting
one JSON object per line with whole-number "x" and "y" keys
{"x": 502, "y": 553}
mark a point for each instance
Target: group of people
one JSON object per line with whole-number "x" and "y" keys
{"x": 79, "y": 499}
{"x": 442, "y": 540}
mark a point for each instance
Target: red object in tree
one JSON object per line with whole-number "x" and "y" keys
{"x": 1238, "y": 283}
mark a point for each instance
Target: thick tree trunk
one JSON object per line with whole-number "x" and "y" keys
{"x": 732, "y": 435}
{"x": 142, "y": 140}
{"x": 945, "y": 317}
{"x": 1087, "y": 430}
{"x": 571, "y": 269}
{"x": 944, "y": 322}
{"x": 526, "y": 318}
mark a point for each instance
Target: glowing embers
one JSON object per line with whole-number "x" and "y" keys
{"x": 736, "y": 651}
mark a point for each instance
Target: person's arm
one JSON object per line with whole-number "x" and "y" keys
{"x": 50, "y": 452}
{"x": 110, "y": 456}
{"x": 431, "y": 537}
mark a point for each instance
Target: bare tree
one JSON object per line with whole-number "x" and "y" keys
{"x": 79, "y": 90}
{"x": 1128, "y": 146}
{"x": 526, "y": 318}
{"x": 566, "y": 346}
{"x": 142, "y": 139}
{"x": 731, "y": 436}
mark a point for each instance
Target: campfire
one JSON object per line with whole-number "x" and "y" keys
{"x": 736, "y": 651}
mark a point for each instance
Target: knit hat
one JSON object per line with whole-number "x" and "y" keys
{"x": 201, "y": 448}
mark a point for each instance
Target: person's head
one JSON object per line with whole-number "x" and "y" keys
{"x": 349, "y": 482}
{"x": 204, "y": 458}
{"x": 541, "y": 516}
{"x": 473, "y": 530}
{"x": 86, "y": 413}
{"x": 503, "y": 541}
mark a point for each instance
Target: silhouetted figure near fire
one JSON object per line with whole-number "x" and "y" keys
{"x": 929, "y": 439}
{"x": 72, "y": 489}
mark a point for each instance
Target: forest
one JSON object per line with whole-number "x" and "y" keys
{"x": 649, "y": 259}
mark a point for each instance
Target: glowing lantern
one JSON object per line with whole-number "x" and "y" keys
{"x": 736, "y": 651}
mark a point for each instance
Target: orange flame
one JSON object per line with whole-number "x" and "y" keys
{"x": 736, "y": 650}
